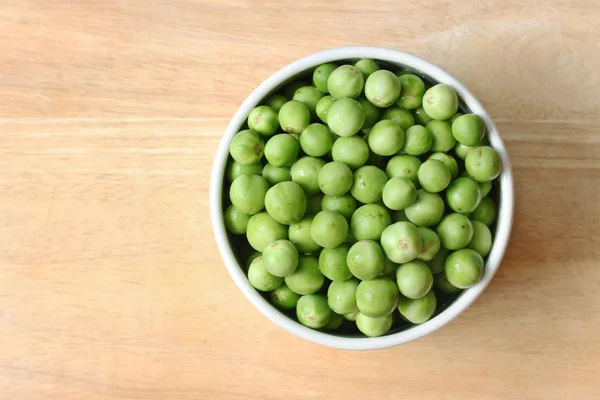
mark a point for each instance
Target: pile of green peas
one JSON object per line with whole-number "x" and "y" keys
{"x": 363, "y": 199}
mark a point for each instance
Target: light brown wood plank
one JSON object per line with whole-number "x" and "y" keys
{"x": 111, "y": 286}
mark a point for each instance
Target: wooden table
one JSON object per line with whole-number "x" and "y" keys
{"x": 111, "y": 286}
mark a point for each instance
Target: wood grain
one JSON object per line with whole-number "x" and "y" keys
{"x": 111, "y": 286}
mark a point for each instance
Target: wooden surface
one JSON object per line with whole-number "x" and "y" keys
{"x": 111, "y": 286}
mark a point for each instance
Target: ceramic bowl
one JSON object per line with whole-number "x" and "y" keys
{"x": 391, "y": 58}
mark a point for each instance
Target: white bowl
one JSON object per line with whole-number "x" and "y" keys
{"x": 505, "y": 206}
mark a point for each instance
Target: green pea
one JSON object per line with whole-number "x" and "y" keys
{"x": 260, "y": 278}
{"x": 333, "y": 264}
{"x": 280, "y": 258}
{"x": 286, "y": 202}
{"x": 369, "y": 221}
{"x": 329, "y": 229}
{"x": 419, "y": 310}
{"x": 441, "y": 282}
{"x": 482, "y": 239}
{"x": 374, "y": 327}
{"x": 313, "y": 203}
{"x": 486, "y": 211}
{"x": 440, "y": 102}
{"x": 263, "y": 120}
{"x": 351, "y": 316}
{"x": 335, "y": 179}
{"x": 441, "y": 136}
{"x": 290, "y": 88}
{"x": 455, "y": 231}
{"x": 371, "y": 111}
{"x": 236, "y": 221}
{"x": 399, "y": 193}
{"x": 346, "y": 117}
{"x": 389, "y": 268}
{"x": 305, "y": 172}
{"x": 247, "y": 193}
{"x": 307, "y": 278}
{"x": 299, "y": 234}
{"x": 413, "y": 90}
{"x": 323, "y": 106}
{"x": 276, "y": 101}
{"x": 368, "y": 184}
{"x": 434, "y": 176}
{"x": 252, "y": 257}
{"x": 274, "y": 175}
{"x": 417, "y": 140}
{"x": 312, "y": 311}
{"x": 483, "y": 164}
{"x": 468, "y": 129}
{"x": 377, "y": 297}
{"x": 421, "y": 116}
{"x": 436, "y": 264}
{"x": 345, "y": 81}
{"x": 382, "y": 88}
{"x": 284, "y": 298}
{"x": 294, "y": 116}
{"x": 386, "y": 138}
{"x": 485, "y": 187}
{"x": 310, "y": 96}
{"x": 431, "y": 244}
{"x": 458, "y": 114}
{"x": 463, "y": 195}
{"x": 352, "y": 151}
{"x": 401, "y": 242}
{"x": 246, "y": 147}
{"x": 235, "y": 169}
{"x": 366, "y": 66}
{"x": 414, "y": 279}
{"x": 400, "y": 115}
{"x": 263, "y": 230}
{"x": 365, "y": 259}
{"x": 315, "y": 140}
{"x": 404, "y": 167}
{"x": 448, "y": 160}
{"x": 335, "y": 322}
{"x": 341, "y": 296}
{"x": 427, "y": 210}
{"x": 282, "y": 150}
{"x": 464, "y": 268}
{"x": 345, "y": 205}
{"x": 461, "y": 150}
{"x": 321, "y": 76}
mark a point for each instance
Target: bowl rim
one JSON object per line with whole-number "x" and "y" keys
{"x": 505, "y": 206}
